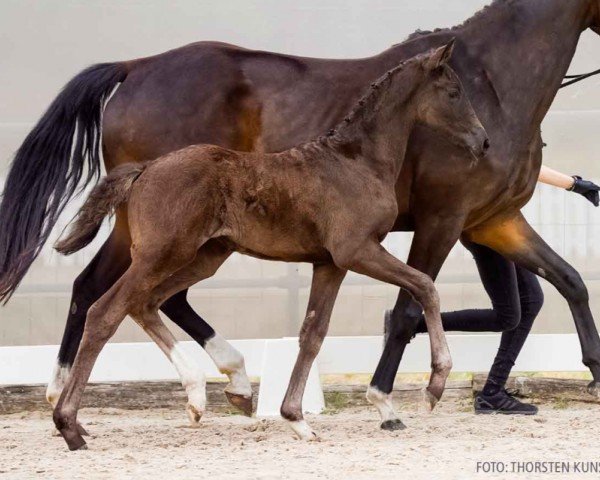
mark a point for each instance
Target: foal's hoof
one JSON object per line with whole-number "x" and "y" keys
{"x": 194, "y": 413}
{"x": 594, "y": 389}
{"x": 303, "y": 431}
{"x": 240, "y": 402}
{"x": 428, "y": 400}
{"x": 74, "y": 441}
{"x": 392, "y": 425}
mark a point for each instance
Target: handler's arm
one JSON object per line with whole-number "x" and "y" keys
{"x": 574, "y": 184}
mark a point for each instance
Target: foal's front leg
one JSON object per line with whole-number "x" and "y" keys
{"x": 326, "y": 283}
{"x": 373, "y": 260}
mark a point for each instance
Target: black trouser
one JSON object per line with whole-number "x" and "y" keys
{"x": 516, "y": 298}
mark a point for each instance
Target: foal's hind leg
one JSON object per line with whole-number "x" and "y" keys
{"x": 125, "y": 296}
{"x": 192, "y": 377}
{"x": 325, "y": 286}
{"x": 208, "y": 260}
{"x": 104, "y": 270}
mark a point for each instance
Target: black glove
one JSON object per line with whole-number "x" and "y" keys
{"x": 586, "y": 188}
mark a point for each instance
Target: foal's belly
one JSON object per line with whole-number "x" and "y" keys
{"x": 286, "y": 241}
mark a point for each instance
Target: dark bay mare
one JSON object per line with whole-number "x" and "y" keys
{"x": 329, "y": 202}
{"x": 511, "y": 58}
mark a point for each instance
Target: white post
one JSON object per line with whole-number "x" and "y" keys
{"x": 278, "y": 362}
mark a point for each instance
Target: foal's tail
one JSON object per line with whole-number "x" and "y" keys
{"x": 60, "y": 153}
{"x": 105, "y": 198}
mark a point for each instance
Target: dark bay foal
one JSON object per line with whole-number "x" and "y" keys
{"x": 329, "y": 202}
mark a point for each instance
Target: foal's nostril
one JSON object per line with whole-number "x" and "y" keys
{"x": 486, "y": 144}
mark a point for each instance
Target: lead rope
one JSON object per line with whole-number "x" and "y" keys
{"x": 578, "y": 78}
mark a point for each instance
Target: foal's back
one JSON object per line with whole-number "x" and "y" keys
{"x": 274, "y": 206}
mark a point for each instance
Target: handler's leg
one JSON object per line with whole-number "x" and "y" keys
{"x": 325, "y": 286}
{"x": 515, "y": 239}
{"x": 494, "y": 398}
{"x": 516, "y": 298}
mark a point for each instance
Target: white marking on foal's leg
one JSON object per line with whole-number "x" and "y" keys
{"x": 303, "y": 430}
{"x": 193, "y": 380}
{"x": 57, "y": 383}
{"x": 230, "y": 362}
{"x": 383, "y": 403}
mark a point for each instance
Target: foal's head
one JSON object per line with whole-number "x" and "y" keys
{"x": 442, "y": 104}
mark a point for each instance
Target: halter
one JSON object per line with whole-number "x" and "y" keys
{"x": 578, "y": 78}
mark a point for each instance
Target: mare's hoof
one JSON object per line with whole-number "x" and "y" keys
{"x": 594, "y": 389}
{"x": 194, "y": 414}
{"x": 240, "y": 402}
{"x": 392, "y": 425}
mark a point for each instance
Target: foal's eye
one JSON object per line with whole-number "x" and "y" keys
{"x": 454, "y": 93}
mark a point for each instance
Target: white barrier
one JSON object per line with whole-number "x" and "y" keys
{"x": 278, "y": 361}
{"x": 144, "y": 361}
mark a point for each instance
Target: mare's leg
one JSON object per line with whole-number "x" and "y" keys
{"x": 516, "y": 298}
{"x": 228, "y": 360}
{"x": 373, "y": 260}
{"x": 431, "y": 244}
{"x": 515, "y": 239}
{"x": 324, "y": 289}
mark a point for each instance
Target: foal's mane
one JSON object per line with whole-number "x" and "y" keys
{"x": 476, "y": 16}
{"x": 369, "y": 101}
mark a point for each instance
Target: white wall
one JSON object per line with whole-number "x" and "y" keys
{"x": 44, "y": 43}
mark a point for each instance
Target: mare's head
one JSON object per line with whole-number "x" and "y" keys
{"x": 442, "y": 104}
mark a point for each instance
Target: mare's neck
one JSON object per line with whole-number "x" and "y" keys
{"x": 511, "y": 57}
{"x": 524, "y": 48}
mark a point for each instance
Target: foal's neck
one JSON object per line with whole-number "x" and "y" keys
{"x": 376, "y": 132}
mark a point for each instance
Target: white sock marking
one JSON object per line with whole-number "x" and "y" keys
{"x": 230, "y": 362}
{"x": 303, "y": 430}
{"x": 193, "y": 380}
{"x": 383, "y": 403}
{"x": 57, "y": 383}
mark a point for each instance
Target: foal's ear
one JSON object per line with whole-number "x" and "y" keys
{"x": 441, "y": 56}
